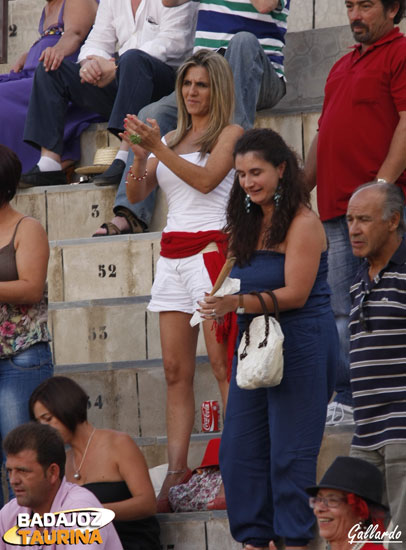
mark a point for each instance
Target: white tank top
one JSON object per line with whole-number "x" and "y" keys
{"x": 189, "y": 209}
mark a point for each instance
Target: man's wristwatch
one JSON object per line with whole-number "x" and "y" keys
{"x": 240, "y": 309}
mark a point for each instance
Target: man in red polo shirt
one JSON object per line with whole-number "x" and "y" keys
{"x": 362, "y": 137}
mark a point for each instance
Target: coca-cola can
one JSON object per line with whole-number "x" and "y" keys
{"x": 210, "y": 416}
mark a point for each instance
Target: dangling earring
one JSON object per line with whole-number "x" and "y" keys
{"x": 277, "y": 195}
{"x": 247, "y": 204}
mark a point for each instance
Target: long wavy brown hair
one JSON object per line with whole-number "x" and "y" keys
{"x": 244, "y": 227}
{"x": 221, "y": 98}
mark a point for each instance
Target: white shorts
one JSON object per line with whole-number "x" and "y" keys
{"x": 179, "y": 284}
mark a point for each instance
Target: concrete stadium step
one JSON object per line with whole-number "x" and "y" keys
{"x": 116, "y": 329}
{"x": 76, "y": 211}
{"x": 131, "y": 395}
{"x": 204, "y": 531}
{"x": 196, "y": 531}
{"x": 103, "y": 267}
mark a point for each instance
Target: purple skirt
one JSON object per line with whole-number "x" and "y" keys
{"x": 15, "y": 91}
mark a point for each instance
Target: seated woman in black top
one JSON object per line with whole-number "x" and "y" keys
{"x": 106, "y": 462}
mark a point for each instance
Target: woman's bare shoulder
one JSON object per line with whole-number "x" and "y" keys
{"x": 234, "y": 130}
{"x": 307, "y": 216}
{"x": 307, "y": 225}
{"x": 31, "y": 228}
{"x": 117, "y": 439}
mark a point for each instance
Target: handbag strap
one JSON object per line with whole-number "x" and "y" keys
{"x": 275, "y": 303}
{"x": 266, "y": 315}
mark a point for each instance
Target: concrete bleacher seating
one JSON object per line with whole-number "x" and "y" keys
{"x": 103, "y": 336}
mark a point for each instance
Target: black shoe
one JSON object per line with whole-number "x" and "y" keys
{"x": 113, "y": 174}
{"x": 36, "y": 178}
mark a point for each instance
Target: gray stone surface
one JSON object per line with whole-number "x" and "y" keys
{"x": 181, "y": 534}
{"x": 152, "y": 397}
{"x": 288, "y": 126}
{"x": 218, "y": 529}
{"x": 55, "y": 275}
{"x": 329, "y": 14}
{"x": 309, "y": 57}
{"x": 301, "y": 16}
{"x": 107, "y": 268}
{"x": 336, "y": 442}
{"x": 98, "y": 333}
{"x": 32, "y": 203}
{"x": 25, "y": 14}
{"x": 113, "y": 400}
{"x": 78, "y": 211}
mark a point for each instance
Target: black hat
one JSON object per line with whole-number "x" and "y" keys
{"x": 353, "y": 475}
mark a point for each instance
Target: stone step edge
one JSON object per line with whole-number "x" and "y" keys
{"x": 183, "y": 517}
{"x": 153, "y": 235}
{"x": 117, "y": 365}
{"x": 206, "y": 436}
{"x": 96, "y": 302}
{"x": 64, "y": 188}
{"x": 163, "y": 440}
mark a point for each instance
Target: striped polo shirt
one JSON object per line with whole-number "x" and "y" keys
{"x": 219, "y": 20}
{"x": 378, "y": 354}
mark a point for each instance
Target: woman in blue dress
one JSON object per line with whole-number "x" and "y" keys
{"x": 63, "y": 26}
{"x": 272, "y": 436}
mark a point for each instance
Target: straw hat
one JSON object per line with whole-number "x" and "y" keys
{"x": 102, "y": 160}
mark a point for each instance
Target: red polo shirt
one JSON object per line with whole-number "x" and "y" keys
{"x": 364, "y": 94}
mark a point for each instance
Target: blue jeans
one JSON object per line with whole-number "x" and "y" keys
{"x": 256, "y": 84}
{"x": 19, "y": 376}
{"x": 342, "y": 268}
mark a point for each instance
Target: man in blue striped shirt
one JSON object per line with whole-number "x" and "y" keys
{"x": 378, "y": 337}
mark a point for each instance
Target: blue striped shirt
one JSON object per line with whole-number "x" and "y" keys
{"x": 219, "y": 20}
{"x": 378, "y": 354}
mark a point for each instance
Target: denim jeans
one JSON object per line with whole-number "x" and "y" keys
{"x": 342, "y": 268}
{"x": 257, "y": 86}
{"x": 19, "y": 376}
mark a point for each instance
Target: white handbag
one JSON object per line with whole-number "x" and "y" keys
{"x": 260, "y": 353}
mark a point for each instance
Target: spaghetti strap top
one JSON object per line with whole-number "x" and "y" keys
{"x": 8, "y": 264}
{"x": 21, "y": 325}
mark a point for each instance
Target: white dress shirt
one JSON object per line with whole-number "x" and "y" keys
{"x": 164, "y": 33}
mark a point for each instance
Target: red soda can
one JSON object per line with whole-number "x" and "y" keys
{"x": 210, "y": 416}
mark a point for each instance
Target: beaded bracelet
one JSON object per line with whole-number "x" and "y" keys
{"x": 134, "y": 177}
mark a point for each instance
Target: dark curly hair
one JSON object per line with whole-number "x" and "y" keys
{"x": 387, "y": 4}
{"x": 243, "y": 227}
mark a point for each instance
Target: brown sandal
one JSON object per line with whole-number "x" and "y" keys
{"x": 135, "y": 225}
{"x": 111, "y": 229}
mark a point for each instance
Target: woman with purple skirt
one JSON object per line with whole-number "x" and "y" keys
{"x": 63, "y": 27}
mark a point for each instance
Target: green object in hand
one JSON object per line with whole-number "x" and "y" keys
{"x": 135, "y": 139}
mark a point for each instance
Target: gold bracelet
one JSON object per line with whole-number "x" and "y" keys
{"x": 134, "y": 177}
